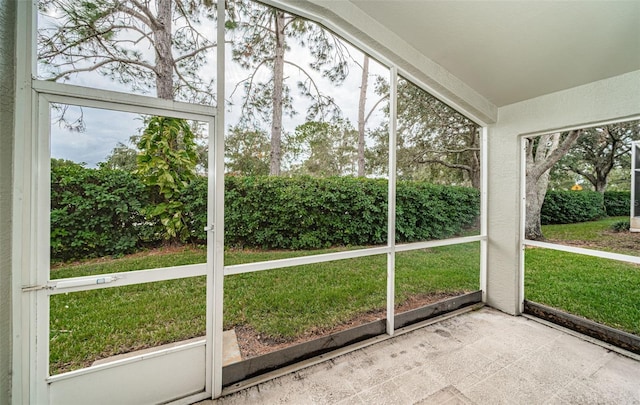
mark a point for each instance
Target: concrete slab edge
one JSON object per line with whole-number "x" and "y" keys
{"x": 255, "y": 366}
{"x": 250, "y": 382}
{"x": 621, "y": 342}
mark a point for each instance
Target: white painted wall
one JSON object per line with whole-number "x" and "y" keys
{"x": 604, "y": 100}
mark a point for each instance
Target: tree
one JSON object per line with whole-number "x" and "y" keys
{"x": 434, "y": 142}
{"x": 382, "y": 89}
{"x": 361, "y": 114}
{"x": 247, "y": 152}
{"x": 431, "y": 134}
{"x": 263, "y": 37}
{"x": 112, "y": 37}
{"x": 599, "y": 150}
{"x": 122, "y": 157}
{"x": 324, "y": 149}
{"x": 542, "y": 153}
{"x": 166, "y": 164}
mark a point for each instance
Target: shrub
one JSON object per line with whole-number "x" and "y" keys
{"x": 426, "y": 211}
{"x": 304, "y": 212}
{"x": 95, "y": 212}
{"x": 617, "y": 203}
{"x": 98, "y": 212}
{"x": 567, "y": 207}
{"x": 621, "y": 226}
{"x": 307, "y": 213}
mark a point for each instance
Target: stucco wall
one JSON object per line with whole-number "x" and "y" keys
{"x": 7, "y": 83}
{"x": 608, "y": 99}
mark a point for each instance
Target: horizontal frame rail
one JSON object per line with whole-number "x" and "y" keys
{"x": 93, "y": 282}
{"x": 350, "y": 254}
{"x": 101, "y": 98}
{"x": 440, "y": 242}
{"x": 582, "y": 251}
{"x": 299, "y": 261}
{"x": 129, "y": 360}
{"x": 75, "y": 284}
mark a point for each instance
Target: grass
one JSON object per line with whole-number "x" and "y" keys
{"x": 287, "y": 303}
{"x": 605, "y": 291}
{"x": 280, "y": 304}
{"x": 582, "y": 231}
{"x": 602, "y": 290}
{"x": 595, "y": 235}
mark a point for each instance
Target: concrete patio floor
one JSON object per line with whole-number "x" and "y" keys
{"x": 479, "y": 357}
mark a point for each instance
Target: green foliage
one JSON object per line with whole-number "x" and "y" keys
{"x": 323, "y": 149}
{"x": 122, "y": 157}
{"x": 95, "y": 212}
{"x": 567, "y": 207}
{"x": 306, "y": 212}
{"x": 112, "y": 38}
{"x": 426, "y": 211}
{"x": 166, "y": 164}
{"x": 599, "y": 152}
{"x": 621, "y": 226}
{"x": 247, "y": 152}
{"x": 435, "y": 143}
{"x": 273, "y": 212}
{"x": 617, "y": 203}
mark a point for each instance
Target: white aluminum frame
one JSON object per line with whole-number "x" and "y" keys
{"x": 46, "y": 94}
{"x": 25, "y": 369}
{"x": 634, "y": 222}
{"x": 555, "y": 246}
{"x": 391, "y": 200}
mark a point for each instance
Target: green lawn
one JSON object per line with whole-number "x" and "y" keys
{"x": 278, "y": 304}
{"x": 602, "y": 290}
{"x": 583, "y": 231}
{"x": 287, "y": 303}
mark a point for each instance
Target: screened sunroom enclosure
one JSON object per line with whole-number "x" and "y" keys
{"x": 60, "y": 299}
{"x": 185, "y": 307}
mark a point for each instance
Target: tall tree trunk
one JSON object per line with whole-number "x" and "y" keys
{"x": 278, "y": 82}
{"x": 602, "y": 179}
{"x": 535, "y": 194}
{"x": 539, "y": 161}
{"x": 475, "y": 164}
{"x": 361, "y": 114}
{"x": 164, "y": 58}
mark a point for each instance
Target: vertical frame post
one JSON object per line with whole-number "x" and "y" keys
{"x": 484, "y": 181}
{"x": 523, "y": 214}
{"x": 23, "y": 250}
{"x": 634, "y": 220}
{"x": 42, "y": 183}
{"x": 391, "y": 204}
{"x": 216, "y": 180}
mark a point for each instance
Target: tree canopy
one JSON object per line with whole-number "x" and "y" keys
{"x": 149, "y": 45}
{"x": 263, "y": 37}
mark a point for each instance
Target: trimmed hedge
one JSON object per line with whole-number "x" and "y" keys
{"x": 310, "y": 213}
{"x": 617, "y": 203}
{"x": 567, "y": 207}
{"x": 96, "y": 212}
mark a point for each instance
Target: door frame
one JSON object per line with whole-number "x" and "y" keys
{"x": 44, "y": 388}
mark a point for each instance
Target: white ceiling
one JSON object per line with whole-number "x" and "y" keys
{"x": 509, "y": 51}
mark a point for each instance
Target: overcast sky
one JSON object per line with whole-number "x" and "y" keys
{"x": 104, "y": 129}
